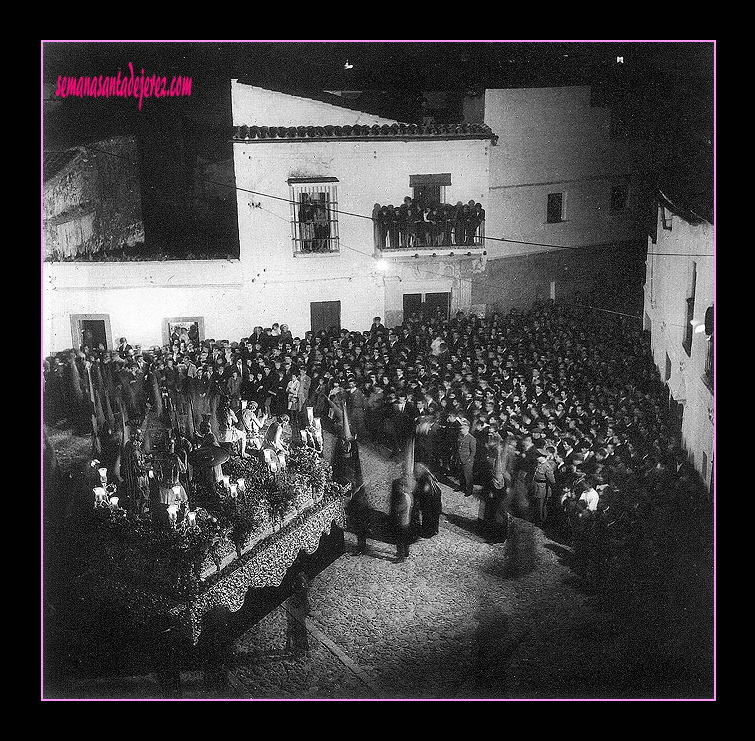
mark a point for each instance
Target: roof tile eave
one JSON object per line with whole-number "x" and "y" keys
{"x": 376, "y": 131}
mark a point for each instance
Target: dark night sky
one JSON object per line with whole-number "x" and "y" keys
{"x": 421, "y": 65}
{"x": 651, "y": 72}
{"x": 663, "y": 92}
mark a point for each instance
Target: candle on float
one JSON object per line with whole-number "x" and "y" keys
{"x": 173, "y": 514}
{"x": 103, "y": 474}
{"x": 151, "y": 473}
{"x": 114, "y": 502}
{"x": 226, "y": 481}
{"x": 99, "y": 495}
{"x": 191, "y": 518}
{"x": 233, "y": 488}
{"x": 241, "y": 484}
{"x": 176, "y": 494}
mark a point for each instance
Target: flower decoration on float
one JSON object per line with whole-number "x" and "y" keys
{"x": 101, "y": 498}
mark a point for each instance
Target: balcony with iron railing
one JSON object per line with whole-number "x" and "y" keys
{"x": 430, "y": 231}
{"x": 710, "y": 359}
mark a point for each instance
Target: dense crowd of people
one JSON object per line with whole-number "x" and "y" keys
{"x": 419, "y": 224}
{"x": 549, "y": 414}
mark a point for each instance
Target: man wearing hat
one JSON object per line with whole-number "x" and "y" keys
{"x": 543, "y": 483}
{"x": 466, "y": 447}
{"x": 401, "y": 422}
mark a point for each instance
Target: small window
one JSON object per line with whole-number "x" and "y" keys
{"x": 619, "y": 198}
{"x": 314, "y": 215}
{"x": 187, "y": 332}
{"x": 667, "y": 375}
{"x": 555, "y": 208}
{"x": 667, "y": 219}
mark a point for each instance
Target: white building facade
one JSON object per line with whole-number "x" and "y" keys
{"x": 565, "y": 201}
{"x": 679, "y": 307}
{"x": 287, "y": 148}
{"x": 350, "y": 163}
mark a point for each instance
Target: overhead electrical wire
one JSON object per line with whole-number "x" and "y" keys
{"x": 265, "y": 281}
{"x": 370, "y": 218}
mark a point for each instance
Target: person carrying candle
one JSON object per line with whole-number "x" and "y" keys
{"x": 135, "y": 469}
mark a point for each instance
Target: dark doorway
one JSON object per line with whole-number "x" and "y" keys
{"x": 92, "y": 333}
{"x": 412, "y": 304}
{"x": 427, "y": 194}
{"x": 325, "y": 315}
{"x": 438, "y": 303}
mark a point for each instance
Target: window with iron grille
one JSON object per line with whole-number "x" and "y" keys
{"x": 710, "y": 360}
{"x": 710, "y": 356}
{"x": 314, "y": 215}
{"x": 689, "y": 328}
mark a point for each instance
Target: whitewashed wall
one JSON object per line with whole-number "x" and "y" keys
{"x": 368, "y": 173}
{"x": 667, "y": 285}
{"x": 268, "y": 283}
{"x": 550, "y": 141}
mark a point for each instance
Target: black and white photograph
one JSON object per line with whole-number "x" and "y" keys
{"x": 378, "y": 370}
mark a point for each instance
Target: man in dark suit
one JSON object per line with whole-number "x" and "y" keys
{"x": 377, "y": 327}
{"x": 401, "y": 422}
{"x": 466, "y": 447}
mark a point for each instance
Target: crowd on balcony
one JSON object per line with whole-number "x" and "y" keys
{"x": 415, "y": 224}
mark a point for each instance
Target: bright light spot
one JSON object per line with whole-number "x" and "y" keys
{"x": 699, "y": 329}
{"x": 347, "y": 65}
{"x": 382, "y": 264}
{"x": 619, "y": 60}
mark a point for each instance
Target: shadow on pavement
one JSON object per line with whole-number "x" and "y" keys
{"x": 565, "y": 554}
{"x": 445, "y": 479}
{"x": 466, "y": 524}
{"x": 517, "y": 554}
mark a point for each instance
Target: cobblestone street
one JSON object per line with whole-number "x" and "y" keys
{"x": 453, "y": 621}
